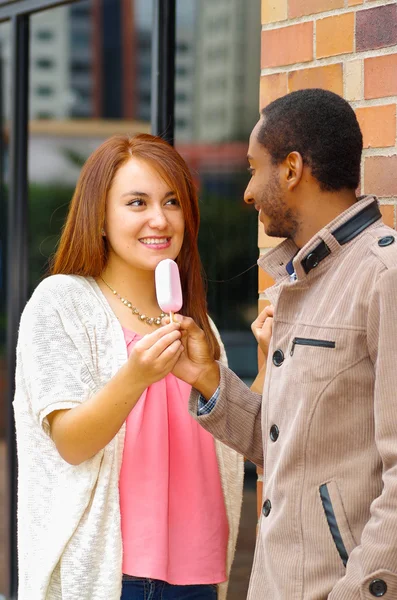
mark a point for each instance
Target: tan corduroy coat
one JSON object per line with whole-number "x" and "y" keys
{"x": 325, "y": 431}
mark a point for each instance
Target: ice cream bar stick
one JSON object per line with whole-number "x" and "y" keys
{"x": 171, "y": 317}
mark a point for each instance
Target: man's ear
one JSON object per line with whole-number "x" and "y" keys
{"x": 293, "y": 170}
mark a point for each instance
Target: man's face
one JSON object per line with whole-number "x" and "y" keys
{"x": 267, "y": 192}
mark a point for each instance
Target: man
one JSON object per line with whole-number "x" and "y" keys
{"x": 325, "y": 431}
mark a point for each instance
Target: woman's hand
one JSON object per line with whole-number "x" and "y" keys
{"x": 80, "y": 432}
{"x": 156, "y": 354}
{"x": 262, "y": 329}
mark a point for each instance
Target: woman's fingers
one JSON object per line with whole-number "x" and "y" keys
{"x": 262, "y": 328}
{"x": 151, "y": 338}
{"x": 170, "y": 356}
{"x": 152, "y": 348}
{"x": 266, "y": 313}
{"x": 265, "y": 333}
{"x": 187, "y": 325}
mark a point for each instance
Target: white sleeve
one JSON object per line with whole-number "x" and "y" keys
{"x": 223, "y": 357}
{"x": 55, "y": 360}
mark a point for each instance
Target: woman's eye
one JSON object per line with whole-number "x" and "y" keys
{"x": 135, "y": 203}
{"x": 173, "y": 202}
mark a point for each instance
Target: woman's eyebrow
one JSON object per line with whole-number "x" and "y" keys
{"x": 134, "y": 193}
{"x": 144, "y": 195}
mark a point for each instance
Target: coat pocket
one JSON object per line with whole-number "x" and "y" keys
{"x": 300, "y": 341}
{"x": 337, "y": 520}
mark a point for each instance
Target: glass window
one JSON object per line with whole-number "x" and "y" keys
{"x": 180, "y": 123}
{"x": 181, "y": 97}
{"x": 79, "y": 65}
{"x": 212, "y": 134}
{"x": 80, "y": 39}
{"x": 213, "y": 137}
{"x": 5, "y": 86}
{"x": 81, "y": 10}
{"x": 44, "y": 114}
{"x": 182, "y": 47}
{"x": 44, "y": 90}
{"x": 44, "y": 35}
{"x": 181, "y": 71}
{"x": 92, "y": 89}
{"x": 44, "y": 63}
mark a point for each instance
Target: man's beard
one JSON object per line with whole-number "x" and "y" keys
{"x": 281, "y": 220}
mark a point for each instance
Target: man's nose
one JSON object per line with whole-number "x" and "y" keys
{"x": 248, "y": 197}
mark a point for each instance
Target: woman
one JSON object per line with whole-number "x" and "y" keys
{"x": 121, "y": 493}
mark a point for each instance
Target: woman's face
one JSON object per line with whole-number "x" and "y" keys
{"x": 144, "y": 222}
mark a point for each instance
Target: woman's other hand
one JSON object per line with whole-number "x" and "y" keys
{"x": 156, "y": 354}
{"x": 262, "y": 329}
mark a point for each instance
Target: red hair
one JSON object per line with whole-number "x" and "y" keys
{"x": 83, "y": 251}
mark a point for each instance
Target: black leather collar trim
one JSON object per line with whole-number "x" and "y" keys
{"x": 343, "y": 234}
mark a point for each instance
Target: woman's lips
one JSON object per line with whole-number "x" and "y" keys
{"x": 156, "y": 243}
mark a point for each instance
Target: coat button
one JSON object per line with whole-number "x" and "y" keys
{"x": 274, "y": 433}
{"x": 278, "y": 358}
{"x": 267, "y": 507}
{"x": 311, "y": 260}
{"x": 378, "y": 588}
{"x": 386, "y": 241}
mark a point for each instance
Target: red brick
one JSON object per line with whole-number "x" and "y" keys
{"x": 264, "y": 281}
{"x": 287, "y": 45}
{"x": 380, "y": 76}
{"x": 299, "y": 8}
{"x": 335, "y": 35}
{"x": 378, "y": 125}
{"x": 376, "y": 27}
{"x": 380, "y": 175}
{"x": 262, "y": 303}
{"x": 353, "y": 71}
{"x": 329, "y": 77}
{"x": 354, "y": 2}
{"x": 387, "y": 211}
{"x": 272, "y": 87}
{"x": 274, "y": 10}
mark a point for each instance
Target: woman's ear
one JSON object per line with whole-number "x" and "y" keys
{"x": 294, "y": 169}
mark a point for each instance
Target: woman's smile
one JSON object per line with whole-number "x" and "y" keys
{"x": 156, "y": 242}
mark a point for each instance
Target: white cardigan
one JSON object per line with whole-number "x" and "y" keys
{"x": 70, "y": 344}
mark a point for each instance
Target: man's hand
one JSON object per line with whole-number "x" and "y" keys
{"x": 196, "y": 365}
{"x": 262, "y": 329}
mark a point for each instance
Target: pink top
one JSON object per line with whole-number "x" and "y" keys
{"x": 173, "y": 518}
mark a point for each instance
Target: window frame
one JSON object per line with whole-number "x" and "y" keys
{"x": 18, "y": 12}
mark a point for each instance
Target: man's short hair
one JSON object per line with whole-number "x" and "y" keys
{"x": 323, "y": 128}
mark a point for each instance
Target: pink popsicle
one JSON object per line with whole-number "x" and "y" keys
{"x": 168, "y": 286}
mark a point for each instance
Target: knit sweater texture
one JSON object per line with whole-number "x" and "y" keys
{"x": 69, "y": 539}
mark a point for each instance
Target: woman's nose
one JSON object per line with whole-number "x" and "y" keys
{"x": 158, "y": 219}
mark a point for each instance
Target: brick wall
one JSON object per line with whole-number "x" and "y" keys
{"x": 350, "y": 48}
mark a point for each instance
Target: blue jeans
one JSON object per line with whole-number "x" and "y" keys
{"x": 135, "y": 588}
